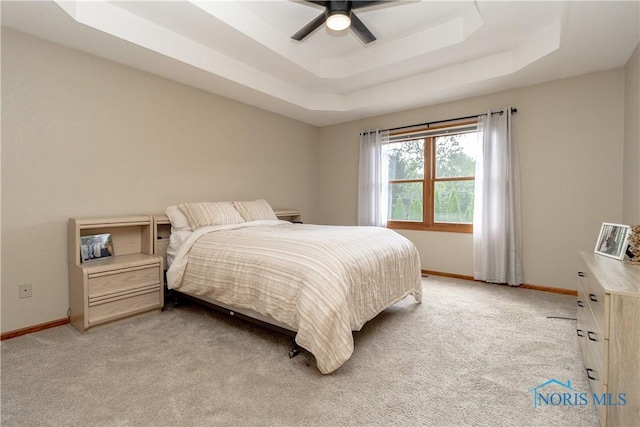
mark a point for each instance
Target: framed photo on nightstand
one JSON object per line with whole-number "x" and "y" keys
{"x": 96, "y": 246}
{"x": 613, "y": 239}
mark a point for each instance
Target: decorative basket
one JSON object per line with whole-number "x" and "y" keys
{"x": 633, "y": 251}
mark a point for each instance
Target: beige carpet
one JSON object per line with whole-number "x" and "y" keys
{"x": 469, "y": 355}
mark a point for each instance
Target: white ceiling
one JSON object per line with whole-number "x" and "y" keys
{"x": 426, "y": 52}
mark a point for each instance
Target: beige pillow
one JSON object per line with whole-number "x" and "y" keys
{"x": 210, "y": 213}
{"x": 255, "y": 210}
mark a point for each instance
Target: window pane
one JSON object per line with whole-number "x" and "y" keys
{"x": 405, "y": 201}
{"x": 456, "y": 155}
{"x": 406, "y": 159}
{"x": 453, "y": 201}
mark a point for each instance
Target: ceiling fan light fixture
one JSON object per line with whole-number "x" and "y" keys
{"x": 338, "y": 21}
{"x": 338, "y": 16}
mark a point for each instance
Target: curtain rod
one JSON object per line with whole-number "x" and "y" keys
{"x": 513, "y": 110}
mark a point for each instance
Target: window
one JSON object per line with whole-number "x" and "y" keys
{"x": 431, "y": 178}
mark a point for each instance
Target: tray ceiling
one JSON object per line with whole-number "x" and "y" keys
{"x": 426, "y": 52}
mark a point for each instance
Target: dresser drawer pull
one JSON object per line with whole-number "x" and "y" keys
{"x": 593, "y": 298}
{"x": 580, "y": 273}
{"x": 580, "y": 303}
{"x": 590, "y": 337}
{"x": 580, "y": 334}
{"x": 589, "y": 374}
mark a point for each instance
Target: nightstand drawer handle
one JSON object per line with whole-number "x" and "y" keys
{"x": 589, "y": 374}
{"x": 580, "y": 304}
{"x": 580, "y": 273}
{"x": 580, "y": 334}
{"x": 590, "y": 337}
{"x": 593, "y": 298}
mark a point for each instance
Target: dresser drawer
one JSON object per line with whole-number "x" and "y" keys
{"x": 597, "y": 349}
{"x": 598, "y": 389}
{"x": 123, "y": 307}
{"x": 591, "y": 320}
{"x": 598, "y": 301}
{"x": 102, "y": 284}
{"x": 582, "y": 326}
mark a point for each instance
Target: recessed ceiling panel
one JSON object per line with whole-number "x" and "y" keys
{"x": 425, "y": 52}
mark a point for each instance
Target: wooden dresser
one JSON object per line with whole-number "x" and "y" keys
{"x": 113, "y": 287}
{"x": 609, "y": 334}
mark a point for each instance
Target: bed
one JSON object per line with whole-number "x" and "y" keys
{"x": 318, "y": 282}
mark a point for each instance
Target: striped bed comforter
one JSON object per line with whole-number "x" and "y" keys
{"x": 322, "y": 281}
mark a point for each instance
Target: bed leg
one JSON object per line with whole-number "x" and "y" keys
{"x": 295, "y": 350}
{"x": 176, "y": 301}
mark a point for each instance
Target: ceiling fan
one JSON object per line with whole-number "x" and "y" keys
{"x": 338, "y": 16}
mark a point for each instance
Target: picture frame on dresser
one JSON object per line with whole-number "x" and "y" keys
{"x": 612, "y": 240}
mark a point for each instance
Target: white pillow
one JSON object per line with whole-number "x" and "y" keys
{"x": 178, "y": 220}
{"x": 255, "y": 210}
{"x": 210, "y": 213}
{"x": 175, "y": 241}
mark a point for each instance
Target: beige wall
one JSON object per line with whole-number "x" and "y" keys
{"x": 85, "y": 137}
{"x": 570, "y": 136}
{"x": 631, "y": 210}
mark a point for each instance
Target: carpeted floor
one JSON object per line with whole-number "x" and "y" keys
{"x": 469, "y": 355}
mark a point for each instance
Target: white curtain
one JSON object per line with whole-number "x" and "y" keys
{"x": 496, "y": 219}
{"x": 373, "y": 179}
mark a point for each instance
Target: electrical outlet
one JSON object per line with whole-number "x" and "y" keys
{"x": 25, "y": 290}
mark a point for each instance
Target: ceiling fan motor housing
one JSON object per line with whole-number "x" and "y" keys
{"x": 339, "y": 6}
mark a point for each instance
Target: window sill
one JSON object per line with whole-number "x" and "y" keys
{"x": 419, "y": 226}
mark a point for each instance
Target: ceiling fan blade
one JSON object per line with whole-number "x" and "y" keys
{"x": 359, "y": 4}
{"x": 319, "y": 3}
{"x": 361, "y": 30}
{"x": 310, "y": 27}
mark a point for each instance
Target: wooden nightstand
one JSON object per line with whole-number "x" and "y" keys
{"x": 161, "y": 233}
{"x": 293, "y": 215}
{"x": 111, "y": 288}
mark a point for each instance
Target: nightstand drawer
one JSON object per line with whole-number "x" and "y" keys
{"x": 101, "y": 284}
{"x": 124, "y": 307}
